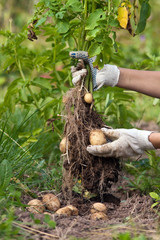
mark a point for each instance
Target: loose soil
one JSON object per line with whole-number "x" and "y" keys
{"x": 127, "y": 211}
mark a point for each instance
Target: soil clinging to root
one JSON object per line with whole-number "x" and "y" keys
{"x": 96, "y": 173}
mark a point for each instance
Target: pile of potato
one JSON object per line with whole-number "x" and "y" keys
{"x": 51, "y": 202}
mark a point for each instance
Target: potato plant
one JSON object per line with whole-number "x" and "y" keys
{"x": 38, "y": 78}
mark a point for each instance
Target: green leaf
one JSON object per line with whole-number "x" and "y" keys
{"x": 92, "y": 34}
{"x": 94, "y": 18}
{"x": 154, "y": 195}
{"x": 154, "y": 204}
{"x": 62, "y": 27}
{"x": 41, "y": 21}
{"x": 75, "y": 5}
{"x": 49, "y": 221}
{"x": 144, "y": 14}
{"x": 94, "y": 49}
{"x": 5, "y": 174}
{"x": 42, "y": 83}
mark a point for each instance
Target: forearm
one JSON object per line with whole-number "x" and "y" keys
{"x": 154, "y": 138}
{"x": 146, "y": 82}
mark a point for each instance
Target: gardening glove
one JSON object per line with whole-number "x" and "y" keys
{"x": 125, "y": 143}
{"x": 107, "y": 76}
{"x": 79, "y": 72}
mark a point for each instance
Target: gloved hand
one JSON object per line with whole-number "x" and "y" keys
{"x": 125, "y": 143}
{"x": 107, "y": 76}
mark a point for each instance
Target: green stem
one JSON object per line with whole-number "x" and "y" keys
{"x": 93, "y": 6}
{"x": 33, "y": 96}
{"x": 109, "y": 7}
{"x": 23, "y": 77}
{"x": 20, "y": 69}
{"x": 83, "y": 32}
{"x": 54, "y": 57}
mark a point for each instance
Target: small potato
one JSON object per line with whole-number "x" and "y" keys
{"x": 63, "y": 145}
{"x": 97, "y": 137}
{"x": 68, "y": 211}
{"x": 88, "y": 98}
{"x": 74, "y": 210}
{"x": 98, "y": 216}
{"x": 64, "y": 211}
{"x": 36, "y": 206}
{"x": 51, "y": 202}
{"x": 98, "y": 207}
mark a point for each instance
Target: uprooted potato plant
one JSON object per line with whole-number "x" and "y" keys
{"x": 96, "y": 173}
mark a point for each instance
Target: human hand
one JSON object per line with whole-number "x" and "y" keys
{"x": 107, "y": 76}
{"x": 125, "y": 143}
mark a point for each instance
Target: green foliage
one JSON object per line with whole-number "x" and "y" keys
{"x": 146, "y": 173}
{"x": 156, "y": 198}
{"x": 144, "y": 15}
{"x": 128, "y": 236}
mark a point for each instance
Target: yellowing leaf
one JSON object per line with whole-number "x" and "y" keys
{"x": 123, "y": 16}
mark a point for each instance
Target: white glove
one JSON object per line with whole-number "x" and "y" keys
{"x": 107, "y": 76}
{"x": 126, "y": 143}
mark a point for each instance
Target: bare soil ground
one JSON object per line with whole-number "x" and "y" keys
{"x": 127, "y": 211}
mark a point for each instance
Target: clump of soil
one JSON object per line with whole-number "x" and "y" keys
{"x": 96, "y": 173}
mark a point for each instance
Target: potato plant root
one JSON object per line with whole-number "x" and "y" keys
{"x": 96, "y": 173}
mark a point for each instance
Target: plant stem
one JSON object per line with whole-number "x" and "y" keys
{"x": 33, "y": 96}
{"x": 83, "y": 35}
{"x": 109, "y": 7}
{"x": 93, "y": 6}
{"x": 23, "y": 77}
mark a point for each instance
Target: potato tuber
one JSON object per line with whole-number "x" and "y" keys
{"x": 36, "y": 206}
{"x": 98, "y": 207}
{"x": 88, "y": 98}
{"x": 51, "y": 202}
{"x": 97, "y": 137}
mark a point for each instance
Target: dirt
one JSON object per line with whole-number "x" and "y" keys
{"x": 127, "y": 211}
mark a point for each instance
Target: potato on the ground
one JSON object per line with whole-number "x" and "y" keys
{"x": 74, "y": 210}
{"x": 98, "y": 207}
{"x": 51, "y": 202}
{"x": 68, "y": 211}
{"x": 36, "y": 206}
{"x": 97, "y": 137}
{"x": 98, "y": 216}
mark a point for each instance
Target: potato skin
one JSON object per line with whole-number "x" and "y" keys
{"x": 36, "y": 206}
{"x": 68, "y": 211}
{"x": 51, "y": 202}
{"x": 64, "y": 211}
{"x": 97, "y": 137}
{"x": 98, "y": 207}
{"x": 62, "y": 145}
{"x": 98, "y": 216}
{"x": 88, "y": 98}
